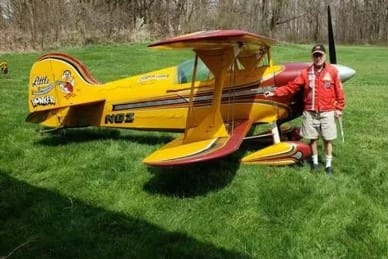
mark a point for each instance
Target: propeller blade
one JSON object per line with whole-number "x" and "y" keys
{"x": 333, "y": 55}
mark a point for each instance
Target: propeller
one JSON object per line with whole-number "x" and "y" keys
{"x": 332, "y": 52}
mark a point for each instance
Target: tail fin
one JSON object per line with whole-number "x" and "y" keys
{"x": 59, "y": 84}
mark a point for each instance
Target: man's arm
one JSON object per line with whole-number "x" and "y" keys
{"x": 339, "y": 95}
{"x": 291, "y": 88}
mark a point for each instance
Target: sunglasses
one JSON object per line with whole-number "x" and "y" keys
{"x": 317, "y": 55}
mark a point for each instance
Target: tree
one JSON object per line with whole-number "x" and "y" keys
{"x": 41, "y": 24}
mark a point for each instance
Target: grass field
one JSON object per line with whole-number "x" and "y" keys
{"x": 84, "y": 193}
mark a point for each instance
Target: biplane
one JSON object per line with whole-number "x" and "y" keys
{"x": 214, "y": 99}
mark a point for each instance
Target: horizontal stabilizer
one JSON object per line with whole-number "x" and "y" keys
{"x": 179, "y": 152}
{"x": 75, "y": 115}
{"x": 38, "y": 116}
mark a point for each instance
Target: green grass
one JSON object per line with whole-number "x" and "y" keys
{"x": 84, "y": 193}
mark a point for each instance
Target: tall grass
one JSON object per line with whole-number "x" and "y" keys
{"x": 84, "y": 193}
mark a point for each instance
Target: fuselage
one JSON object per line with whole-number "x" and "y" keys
{"x": 160, "y": 100}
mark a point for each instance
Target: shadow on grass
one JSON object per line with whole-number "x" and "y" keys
{"x": 68, "y": 136}
{"x": 194, "y": 180}
{"x": 43, "y": 224}
{"x": 183, "y": 181}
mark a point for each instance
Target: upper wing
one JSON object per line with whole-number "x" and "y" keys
{"x": 215, "y": 39}
{"x": 246, "y": 47}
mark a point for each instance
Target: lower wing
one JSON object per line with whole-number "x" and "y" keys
{"x": 181, "y": 152}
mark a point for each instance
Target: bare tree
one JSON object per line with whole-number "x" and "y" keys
{"x": 42, "y": 24}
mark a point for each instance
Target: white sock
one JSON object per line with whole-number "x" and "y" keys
{"x": 328, "y": 160}
{"x": 315, "y": 159}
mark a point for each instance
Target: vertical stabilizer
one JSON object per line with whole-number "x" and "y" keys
{"x": 58, "y": 82}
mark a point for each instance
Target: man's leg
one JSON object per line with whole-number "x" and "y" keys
{"x": 310, "y": 131}
{"x": 329, "y": 156}
{"x": 314, "y": 151}
{"x": 329, "y": 133}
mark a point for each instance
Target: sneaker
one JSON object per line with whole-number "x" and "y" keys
{"x": 329, "y": 170}
{"x": 314, "y": 168}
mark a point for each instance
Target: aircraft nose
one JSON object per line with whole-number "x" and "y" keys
{"x": 345, "y": 72}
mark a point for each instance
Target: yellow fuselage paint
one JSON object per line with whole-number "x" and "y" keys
{"x": 149, "y": 101}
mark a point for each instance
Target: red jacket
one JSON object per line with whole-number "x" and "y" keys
{"x": 322, "y": 89}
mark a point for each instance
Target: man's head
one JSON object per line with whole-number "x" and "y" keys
{"x": 318, "y": 53}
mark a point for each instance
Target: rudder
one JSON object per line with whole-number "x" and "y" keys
{"x": 57, "y": 83}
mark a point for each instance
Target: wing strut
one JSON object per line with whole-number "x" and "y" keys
{"x": 190, "y": 109}
{"x": 206, "y": 136}
{"x": 212, "y": 125}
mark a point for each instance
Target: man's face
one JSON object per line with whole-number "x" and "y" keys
{"x": 318, "y": 58}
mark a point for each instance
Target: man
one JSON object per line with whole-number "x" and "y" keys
{"x": 323, "y": 102}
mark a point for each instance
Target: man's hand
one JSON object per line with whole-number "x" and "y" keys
{"x": 268, "y": 94}
{"x": 338, "y": 113}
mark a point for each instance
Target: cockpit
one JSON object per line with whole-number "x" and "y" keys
{"x": 243, "y": 62}
{"x": 186, "y": 68}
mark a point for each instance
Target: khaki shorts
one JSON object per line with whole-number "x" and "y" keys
{"x": 319, "y": 123}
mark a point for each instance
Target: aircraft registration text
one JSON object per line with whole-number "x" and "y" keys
{"x": 119, "y": 118}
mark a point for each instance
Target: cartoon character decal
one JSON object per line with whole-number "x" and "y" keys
{"x": 41, "y": 87}
{"x": 67, "y": 84}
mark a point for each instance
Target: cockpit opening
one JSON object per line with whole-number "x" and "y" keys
{"x": 186, "y": 68}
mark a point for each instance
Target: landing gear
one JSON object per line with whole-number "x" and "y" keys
{"x": 285, "y": 147}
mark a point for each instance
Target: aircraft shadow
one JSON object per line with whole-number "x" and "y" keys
{"x": 193, "y": 180}
{"x": 68, "y": 136}
{"x": 182, "y": 181}
{"x": 43, "y": 224}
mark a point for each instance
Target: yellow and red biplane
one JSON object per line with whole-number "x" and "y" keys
{"x": 214, "y": 99}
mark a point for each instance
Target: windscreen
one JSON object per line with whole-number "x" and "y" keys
{"x": 186, "y": 68}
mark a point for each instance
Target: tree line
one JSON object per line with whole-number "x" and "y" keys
{"x": 44, "y": 24}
